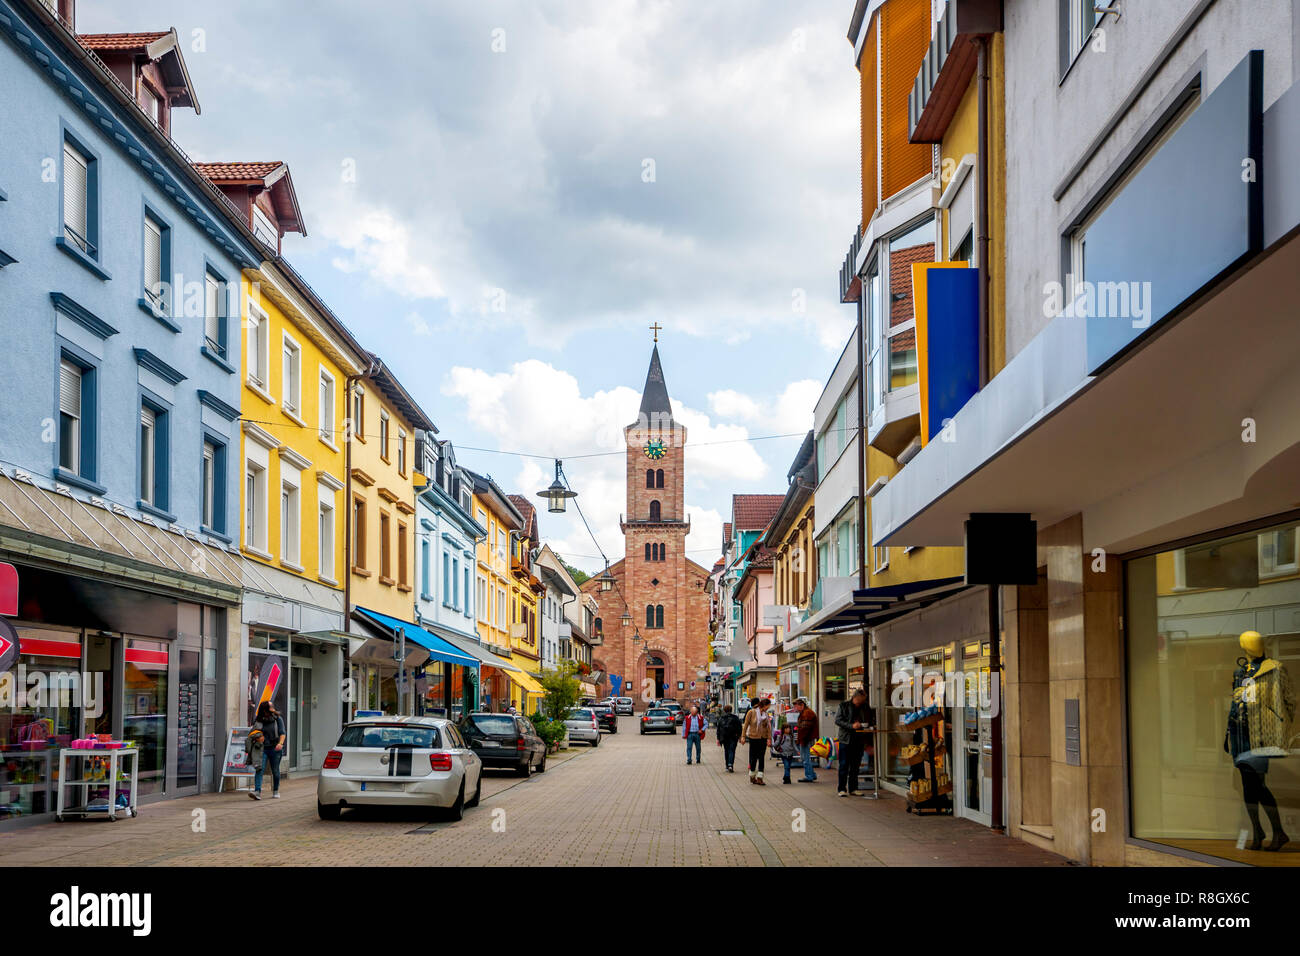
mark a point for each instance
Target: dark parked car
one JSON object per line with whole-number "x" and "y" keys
{"x": 607, "y": 717}
{"x": 505, "y": 740}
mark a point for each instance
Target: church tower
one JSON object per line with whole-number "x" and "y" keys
{"x": 663, "y": 650}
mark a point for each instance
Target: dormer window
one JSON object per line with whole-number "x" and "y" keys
{"x": 264, "y": 229}
{"x": 151, "y": 103}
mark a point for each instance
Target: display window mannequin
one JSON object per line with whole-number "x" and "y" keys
{"x": 1259, "y": 730}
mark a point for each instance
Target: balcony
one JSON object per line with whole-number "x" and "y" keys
{"x": 948, "y": 66}
{"x": 850, "y": 281}
{"x": 624, "y": 523}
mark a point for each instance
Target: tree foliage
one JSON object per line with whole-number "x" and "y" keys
{"x": 579, "y": 577}
{"x": 562, "y": 689}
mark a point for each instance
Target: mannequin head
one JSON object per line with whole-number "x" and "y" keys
{"x": 1252, "y": 643}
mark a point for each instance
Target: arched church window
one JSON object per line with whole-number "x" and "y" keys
{"x": 649, "y": 477}
{"x": 654, "y": 511}
{"x": 649, "y": 552}
{"x": 649, "y": 615}
{"x": 659, "y": 615}
{"x": 659, "y": 478}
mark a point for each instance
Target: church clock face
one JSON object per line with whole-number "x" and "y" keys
{"x": 655, "y": 450}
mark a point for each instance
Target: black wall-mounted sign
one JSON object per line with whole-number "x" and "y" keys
{"x": 1001, "y": 549}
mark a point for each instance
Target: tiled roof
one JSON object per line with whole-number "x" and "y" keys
{"x": 530, "y": 515}
{"x": 754, "y": 512}
{"x": 227, "y": 171}
{"x": 726, "y": 533}
{"x": 119, "y": 41}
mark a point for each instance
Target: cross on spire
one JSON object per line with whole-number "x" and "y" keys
{"x": 656, "y": 329}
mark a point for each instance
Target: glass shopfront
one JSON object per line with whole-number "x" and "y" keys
{"x": 910, "y": 682}
{"x": 1213, "y": 653}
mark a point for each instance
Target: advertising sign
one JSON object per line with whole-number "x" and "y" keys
{"x": 8, "y": 590}
{"x": 236, "y": 763}
{"x": 8, "y": 646}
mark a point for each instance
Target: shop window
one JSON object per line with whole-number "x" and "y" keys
{"x": 144, "y": 709}
{"x": 1212, "y": 664}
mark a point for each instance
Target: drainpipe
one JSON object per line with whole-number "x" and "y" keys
{"x": 982, "y": 208}
{"x": 986, "y": 373}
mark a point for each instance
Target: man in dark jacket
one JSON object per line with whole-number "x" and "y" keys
{"x": 806, "y": 737}
{"x": 728, "y": 736}
{"x": 853, "y": 721}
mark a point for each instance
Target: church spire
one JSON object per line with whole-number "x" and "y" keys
{"x": 655, "y": 405}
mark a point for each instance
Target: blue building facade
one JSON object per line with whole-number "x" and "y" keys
{"x": 119, "y": 454}
{"x": 446, "y": 533}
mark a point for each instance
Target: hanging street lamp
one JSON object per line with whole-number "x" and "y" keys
{"x": 558, "y": 494}
{"x": 606, "y": 580}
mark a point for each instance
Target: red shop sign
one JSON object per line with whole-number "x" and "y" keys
{"x": 8, "y": 590}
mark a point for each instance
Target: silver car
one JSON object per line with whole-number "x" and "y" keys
{"x": 583, "y": 725}
{"x": 399, "y": 761}
{"x": 658, "y": 720}
{"x": 623, "y": 706}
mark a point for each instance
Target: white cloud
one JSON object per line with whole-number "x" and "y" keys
{"x": 417, "y": 324}
{"x": 789, "y": 413}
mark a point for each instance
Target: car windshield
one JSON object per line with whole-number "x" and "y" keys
{"x": 389, "y": 735}
{"x": 582, "y": 713}
{"x": 658, "y": 712}
{"x": 494, "y": 723}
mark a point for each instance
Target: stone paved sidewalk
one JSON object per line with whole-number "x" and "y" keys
{"x": 632, "y": 801}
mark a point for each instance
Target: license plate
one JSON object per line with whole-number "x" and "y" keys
{"x": 381, "y": 785}
{"x": 491, "y": 743}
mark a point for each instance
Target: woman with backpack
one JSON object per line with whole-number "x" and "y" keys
{"x": 757, "y": 730}
{"x": 271, "y": 725}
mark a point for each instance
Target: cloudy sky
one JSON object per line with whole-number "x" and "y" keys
{"x": 501, "y": 197}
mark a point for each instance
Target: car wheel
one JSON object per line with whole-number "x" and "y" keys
{"x": 457, "y": 810}
{"x": 541, "y": 767}
{"x": 478, "y": 791}
{"x": 596, "y": 742}
{"x": 524, "y": 769}
{"x": 328, "y": 811}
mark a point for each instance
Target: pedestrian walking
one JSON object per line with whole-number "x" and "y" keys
{"x": 757, "y": 731}
{"x": 729, "y": 728}
{"x": 693, "y": 731}
{"x": 786, "y": 749}
{"x": 853, "y": 721}
{"x": 805, "y": 736}
{"x": 271, "y": 724}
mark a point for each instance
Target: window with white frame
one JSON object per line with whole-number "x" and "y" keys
{"x": 151, "y": 103}
{"x": 264, "y": 229}
{"x": 214, "y": 315}
{"x": 426, "y": 575}
{"x": 71, "y": 387}
{"x": 255, "y": 506}
{"x": 401, "y": 451}
{"x": 898, "y": 363}
{"x": 480, "y": 597}
{"x": 359, "y": 413}
{"x": 153, "y": 456}
{"x": 325, "y": 405}
{"x": 208, "y": 514}
{"x": 1081, "y": 17}
{"x": 469, "y": 612}
{"x": 154, "y": 234}
{"x": 325, "y": 538}
{"x": 291, "y": 372}
{"x": 501, "y": 609}
{"x": 383, "y": 435}
{"x": 1279, "y": 552}
{"x": 290, "y": 520}
{"x": 259, "y": 360}
{"x": 78, "y": 213}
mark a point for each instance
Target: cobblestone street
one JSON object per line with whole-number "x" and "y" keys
{"x": 632, "y": 801}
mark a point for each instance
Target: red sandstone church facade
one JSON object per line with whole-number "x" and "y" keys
{"x": 655, "y": 618}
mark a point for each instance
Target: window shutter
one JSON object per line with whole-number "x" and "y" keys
{"x": 74, "y": 192}
{"x": 69, "y": 389}
{"x": 152, "y": 256}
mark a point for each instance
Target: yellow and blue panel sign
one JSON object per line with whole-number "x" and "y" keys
{"x": 946, "y": 297}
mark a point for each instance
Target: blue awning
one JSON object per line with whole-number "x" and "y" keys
{"x": 439, "y": 650}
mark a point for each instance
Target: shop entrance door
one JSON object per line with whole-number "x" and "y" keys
{"x": 186, "y": 674}
{"x": 973, "y": 780}
{"x": 301, "y": 707}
